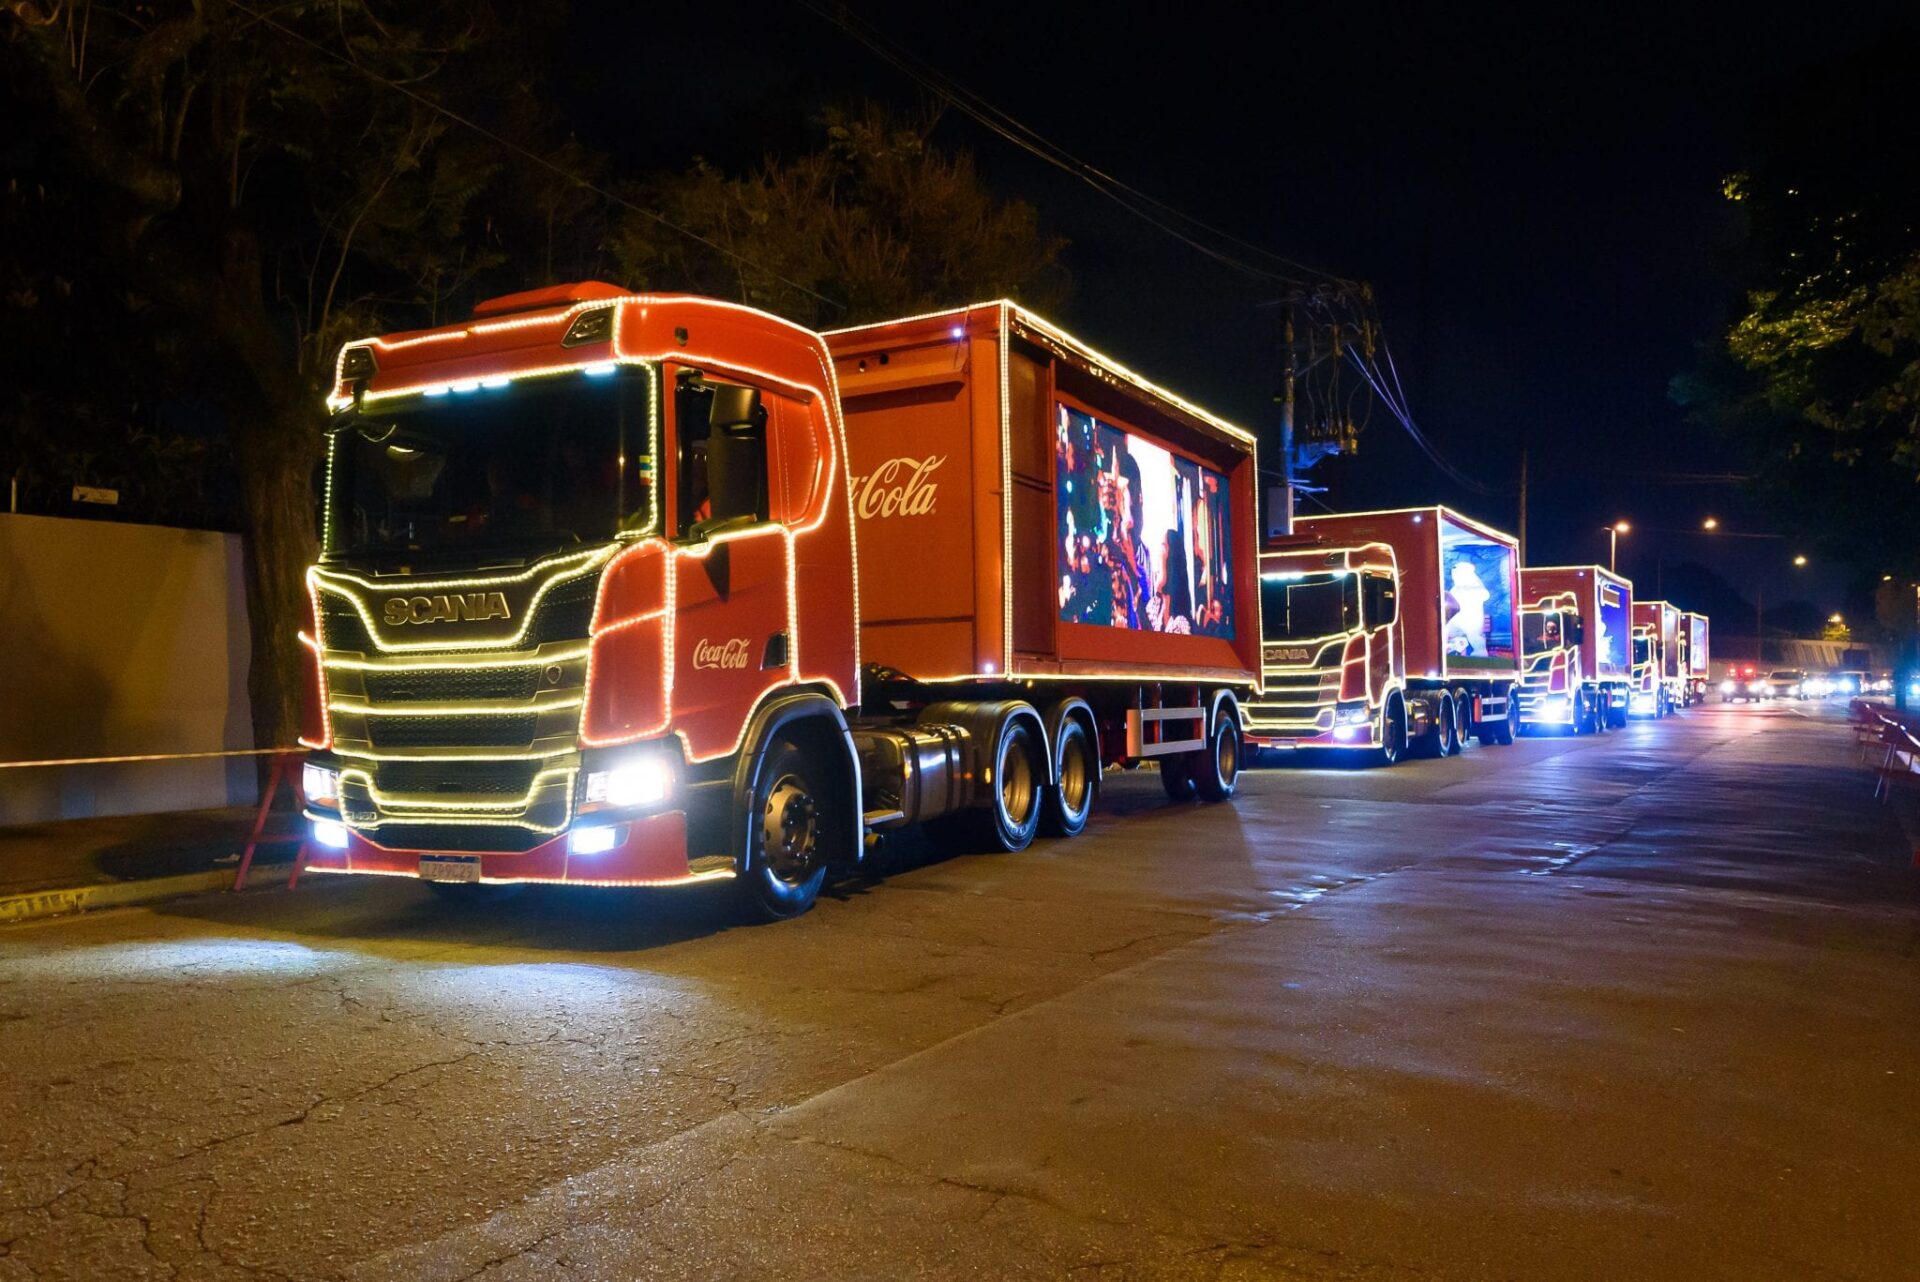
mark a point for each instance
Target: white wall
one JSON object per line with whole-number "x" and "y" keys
{"x": 119, "y": 639}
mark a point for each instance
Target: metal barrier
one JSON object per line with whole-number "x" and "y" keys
{"x": 285, "y": 767}
{"x": 1896, "y": 739}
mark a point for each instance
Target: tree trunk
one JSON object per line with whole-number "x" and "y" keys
{"x": 276, "y": 451}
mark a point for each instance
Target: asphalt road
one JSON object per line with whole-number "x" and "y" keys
{"x": 1646, "y": 1006}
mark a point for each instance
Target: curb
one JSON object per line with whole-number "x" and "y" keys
{"x": 59, "y": 902}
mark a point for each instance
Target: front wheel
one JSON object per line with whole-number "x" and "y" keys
{"x": 1217, "y": 773}
{"x": 786, "y": 853}
{"x": 1393, "y": 734}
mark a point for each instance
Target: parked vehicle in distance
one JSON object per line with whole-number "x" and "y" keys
{"x": 1743, "y": 684}
{"x": 1388, "y": 633}
{"x": 620, "y": 589}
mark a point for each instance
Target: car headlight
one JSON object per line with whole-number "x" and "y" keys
{"x": 1726, "y": 687}
{"x": 320, "y": 785}
{"x": 1757, "y": 687}
{"x": 628, "y": 783}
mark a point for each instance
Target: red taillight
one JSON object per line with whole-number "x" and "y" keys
{"x": 1353, "y": 669}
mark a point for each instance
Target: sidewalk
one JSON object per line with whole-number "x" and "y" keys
{"x": 53, "y": 868}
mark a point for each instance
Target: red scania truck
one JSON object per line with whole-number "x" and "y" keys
{"x": 1577, "y": 639}
{"x": 1655, "y": 687}
{"x": 622, "y": 590}
{"x": 1388, "y": 632}
{"x": 1695, "y": 655}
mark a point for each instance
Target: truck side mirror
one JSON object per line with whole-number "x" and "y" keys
{"x": 1576, "y": 630}
{"x": 736, "y": 457}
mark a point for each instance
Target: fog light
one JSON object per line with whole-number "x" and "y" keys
{"x": 597, "y": 840}
{"x": 638, "y": 781}
{"x": 1348, "y": 732}
{"x": 329, "y": 834}
{"x": 1554, "y": 707}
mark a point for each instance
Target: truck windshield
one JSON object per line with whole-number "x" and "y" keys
{"x": 1317, "y": 605}
{"x": 1542, "y": 631}
{"x": 493, "y": 474}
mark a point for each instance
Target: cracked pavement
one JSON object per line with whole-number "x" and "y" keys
{"x": 1645, "y": 1006}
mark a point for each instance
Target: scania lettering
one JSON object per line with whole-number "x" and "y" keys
{"x": 1577, "y": 637}
{"x": 1388, "y": 632}
{"x": 621, "y": 590}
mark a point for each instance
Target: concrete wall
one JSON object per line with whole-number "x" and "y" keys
{"x": 118, "y": 639}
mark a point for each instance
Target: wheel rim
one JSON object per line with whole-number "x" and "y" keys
{"x": 1016, "y": 781}
{"x": 790, "y": 830}
{"x": 1226, "y": 755}
{"x": 1076, "y": 780}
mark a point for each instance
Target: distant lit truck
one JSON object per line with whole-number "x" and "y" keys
{"x": 1695, "y": 655}
{"x": 1388, "y": 633}
{"x": 1577, "y": 640}
{"x": 1656, "y": 682}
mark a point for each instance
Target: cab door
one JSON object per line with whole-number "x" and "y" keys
{"x": 731, "y": 561}
{"x": 1380, "y": 610}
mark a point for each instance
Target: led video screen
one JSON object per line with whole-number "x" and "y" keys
{"x": 1476, "y": 574}
{"x": 1698, "y": 653}
{"x": 1616, "y": 634}
{"x": 1144, "y": 538}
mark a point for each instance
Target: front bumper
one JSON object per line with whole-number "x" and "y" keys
{"x": 653, "y": 854}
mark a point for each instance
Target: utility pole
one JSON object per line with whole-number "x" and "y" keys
{"x": 1280, "y": 502}
{"x": 1523, "y": 505}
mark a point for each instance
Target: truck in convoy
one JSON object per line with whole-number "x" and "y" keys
{"x": 1655, "y": 688}
{"x": 1695, "y": 655}
{"x": 1576, "y": 639}
{"x": 1388, "y": 633}
{"x": 624, "y": 590}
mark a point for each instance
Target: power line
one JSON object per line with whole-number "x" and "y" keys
{"x": 527, "y": 154}
{"x": 1128, "y": 197}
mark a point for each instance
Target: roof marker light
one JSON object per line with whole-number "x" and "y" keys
{"x": 600, "y": 370}
{"x": 438, "y": 389}
{"x": 466, "y": 385}
{"x": 495, "y": 384}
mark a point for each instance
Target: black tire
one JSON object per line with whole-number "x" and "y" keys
{"x": 1617, "y": 714}
{"x": 1176, "y": 777}
{"x": 1013, "y": 816}
{"x": 1582, "y": 716}
{"x": 791, "y": 821}
{"x": 1507, "y": 729}
{"x": 1393, "y": 733}
{"x": 1068, "y": 802}
{"x": 1449, "y": 740}
{"x": 1217, "y": 772}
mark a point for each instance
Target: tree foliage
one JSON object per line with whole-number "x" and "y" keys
{"x": 1818, "y": 374}
{"x": 205, "y": 197}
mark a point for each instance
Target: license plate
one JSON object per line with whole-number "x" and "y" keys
{"x": 449, "y": 868}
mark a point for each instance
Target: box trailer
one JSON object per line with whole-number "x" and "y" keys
{"x": 1655, "y": 687}
{"x": 621, "y": 589}
{"x": 1388, "y": 632}
{"x": 1696, "y": 655}
{"x": 1576, "y": 637}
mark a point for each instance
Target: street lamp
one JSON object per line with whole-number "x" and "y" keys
{"x": 1835, "y": 618}
{"x": 1800, "y": 560}
{"x": 1614, "y": 532}
{"x": 1711, "y": 523}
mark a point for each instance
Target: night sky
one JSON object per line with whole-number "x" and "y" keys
{"x": 1535, "y": 197}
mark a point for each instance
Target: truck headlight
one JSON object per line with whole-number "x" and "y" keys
{"x": 329, "y": 834}
{"x": 320, "y": 784}
{"x": 1352, "y": 714}
{"x": 1554, "y": 707}
{"x": 597, "y": 839}
{"x": 627, "y": 783}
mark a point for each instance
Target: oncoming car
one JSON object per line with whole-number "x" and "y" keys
{"x": 1786, "y": 683}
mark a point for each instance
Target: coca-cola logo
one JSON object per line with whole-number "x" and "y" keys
{"x": 731, "y": 653}
{"x": 898, "y": 487}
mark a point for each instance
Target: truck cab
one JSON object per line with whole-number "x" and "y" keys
{"x": 1334, "y": 670}
{"x": 1555, "y": 690}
